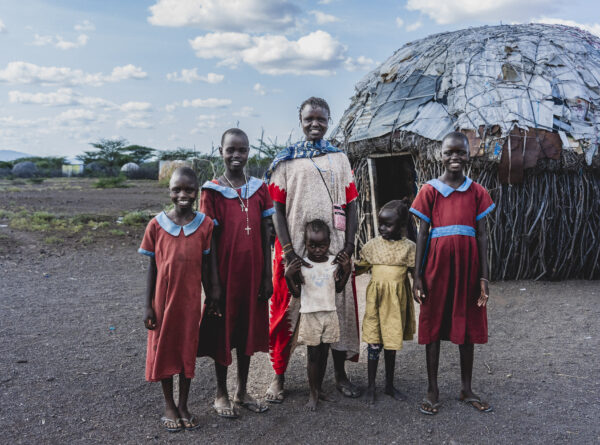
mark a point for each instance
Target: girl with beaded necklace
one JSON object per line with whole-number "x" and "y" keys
{"x": 240, "y": 208}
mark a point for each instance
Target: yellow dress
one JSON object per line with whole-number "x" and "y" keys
{"x": 389, "y": 313}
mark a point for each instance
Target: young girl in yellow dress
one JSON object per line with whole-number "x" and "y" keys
{"x": 389, "y": 313}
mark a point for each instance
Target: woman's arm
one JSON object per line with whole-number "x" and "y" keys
{"x": 482, "y": 247}
{"x": 266, "y": 287}
{"x": 149, "y": 315}
{"x": 283, "y": 234}
{"x": 351, "y": 227}
{"x": 419, "y": 292}
{"x": 342, "y": 278}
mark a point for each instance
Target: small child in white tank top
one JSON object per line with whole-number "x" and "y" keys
{"x": 319, "y": 326}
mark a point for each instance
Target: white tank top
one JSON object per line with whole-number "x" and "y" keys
{"x": 318, "y": 291}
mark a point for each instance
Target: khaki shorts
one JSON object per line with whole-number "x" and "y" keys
{"x": 318, "y": 327}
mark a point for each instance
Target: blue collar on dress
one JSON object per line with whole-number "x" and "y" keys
{"x": 254, "y": 185}
{"x": 446, "y": 190}
{"x": 173, "y": 229}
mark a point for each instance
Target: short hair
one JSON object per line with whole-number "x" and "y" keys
{"x": 187, "y": 172}
{"x": 457, "y": 135}
{"x": 315, "y": 102}
{"x": 234, "y": 132}
{"x": 400, "y": 206}
{"x": 317, "y": 226}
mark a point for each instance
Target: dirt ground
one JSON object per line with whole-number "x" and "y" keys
{"x": 72, "y": 348}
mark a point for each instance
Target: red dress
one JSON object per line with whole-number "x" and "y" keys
{"x": 178, "y": 251}
{"x": 245, "y": 321}
{"x": 451, "y": 272}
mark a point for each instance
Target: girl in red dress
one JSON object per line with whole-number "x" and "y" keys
{"x": 240, "y": 208}
{"x": 451, "y": 273}
{"x": 177, "y": 243}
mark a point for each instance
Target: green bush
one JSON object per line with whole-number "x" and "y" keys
{"x": 135, "y": 218}
{"x": 111, "y": 183}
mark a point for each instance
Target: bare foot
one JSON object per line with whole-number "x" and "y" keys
{"x": 311, "y": 405}
{"x": 393, "y": 392}
{"x": 274, "y": 393}
{"x": 474, "y": 400}
{"x": 370, "y": 395}
{"x": 430, "y": 404}
{"x": 225, "y": 408}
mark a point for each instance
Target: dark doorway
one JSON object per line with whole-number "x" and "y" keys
{"x": 391, "y": 177}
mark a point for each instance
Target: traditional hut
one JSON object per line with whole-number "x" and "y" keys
{"x": 528, "y": 98}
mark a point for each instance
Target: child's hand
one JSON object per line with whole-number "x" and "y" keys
{"x": 150, "y": 319}
{"x": 266, "y": 289}
{"x": 343, "y": 261}
{"x": 292, "y": 268}
{"x": 484, "y": 295}
{"x": 212, "y": 307}
{"x": 345, "y": 251}
{"x": 418, "y": 290}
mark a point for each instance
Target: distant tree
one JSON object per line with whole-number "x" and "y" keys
{"x": 110, "y": 152}
{"x": 139, "y": 153}
{"x": 180, "y": 154}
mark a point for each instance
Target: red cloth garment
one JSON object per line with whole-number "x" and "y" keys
{"x": 451, "y": 271}
{"x": 309, "y": 188}
{"x": 178, "y": 251}
{"x": 245, "y": 322}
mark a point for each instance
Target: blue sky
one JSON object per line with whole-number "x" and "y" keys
{"x": 177, "y": 73}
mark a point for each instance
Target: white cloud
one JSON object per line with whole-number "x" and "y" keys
{"x": 225, "y": 15}
{"x": 2, "y": 26}
{"x": 82, "y": 40}
{"x": 204, "y": 122}
{"x": 206, "y": 103}
{"x": 361, "y": 63}
{"x": 136, "y": 106}
{"x": 321, "y": 18}
{"x": 189, "y": 76}
{"x": 76, "y": 116}
{"x": 59, "y": 42}
{"x": 316, "y": 53}
{"x": 399, "y": 22}
{"x": 593, "y": 28}
{"x": 259, "y": 89}
{"x": 60, "y": 97}
{"x": 126, "y": 72}
{"x": 10, "y": 121}
{"x": 25, "y": 73}
{"x": 211, "y": 102}
{"x": 456, "y": 11}
{"x": 135, "y": 120}
{"x": 414, "y": 26}
{"x": 220, "y": 45}
{"x": 245, "y": 112}
{"x": 325, "y": 2}
{"x": 86, "y": 25}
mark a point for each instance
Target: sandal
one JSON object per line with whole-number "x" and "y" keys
{"x": 227, "y": 412}
{"x": 432, "y": 406}
{"x": 253, "y": 405}
{"x": 190, "y": 424}
{"x": 348, "y": 389}
{"x": 172, "y": 426}
{"x": 472, "y": 400}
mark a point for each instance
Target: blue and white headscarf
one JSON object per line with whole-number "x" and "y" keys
{"x": 302, "y": 149}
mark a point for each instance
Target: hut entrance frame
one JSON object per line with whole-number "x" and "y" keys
{"x": 391, "y": 176}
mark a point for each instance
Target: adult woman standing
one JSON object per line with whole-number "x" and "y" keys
{"x": 311, "y": 180}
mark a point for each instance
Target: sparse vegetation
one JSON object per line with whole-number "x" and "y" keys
{"x": 111, "y": 182}
{"x": 135, "y": 218}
